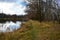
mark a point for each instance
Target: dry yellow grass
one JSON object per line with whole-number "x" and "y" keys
{"x": 34, "y": 30}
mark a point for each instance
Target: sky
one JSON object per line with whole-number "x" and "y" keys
{"x": 12, "y": 7}
{"x": 58, "y": 2}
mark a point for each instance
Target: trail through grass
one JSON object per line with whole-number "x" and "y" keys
{"x": 34, "y": 30}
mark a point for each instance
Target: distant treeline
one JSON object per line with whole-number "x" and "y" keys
{"x": 2, "y": 15}
{"x": 14, "y": 18}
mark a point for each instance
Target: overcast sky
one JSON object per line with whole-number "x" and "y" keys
{"x": 11, "y": 7}
{"x": 58, "y": 2}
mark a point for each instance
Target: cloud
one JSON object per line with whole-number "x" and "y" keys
{"x": 17, "y": 7}
{"x": 58, "y": 2}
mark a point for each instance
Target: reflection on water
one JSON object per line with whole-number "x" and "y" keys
{"x": 9, "y": 26}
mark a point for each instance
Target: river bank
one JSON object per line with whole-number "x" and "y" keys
{"x": 34, "y": 30}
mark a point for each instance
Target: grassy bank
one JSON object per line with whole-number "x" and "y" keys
{"x": 34, "y": 30}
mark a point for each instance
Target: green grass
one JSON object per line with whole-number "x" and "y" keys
{"x": 34, "y": 30}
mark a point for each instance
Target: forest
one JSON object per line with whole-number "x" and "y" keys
{"x": 44, "y": 11}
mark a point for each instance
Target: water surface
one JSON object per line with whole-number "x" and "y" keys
{"x": 9, "y": 26}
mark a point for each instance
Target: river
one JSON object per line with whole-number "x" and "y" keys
{"x": 9, "y": 26}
